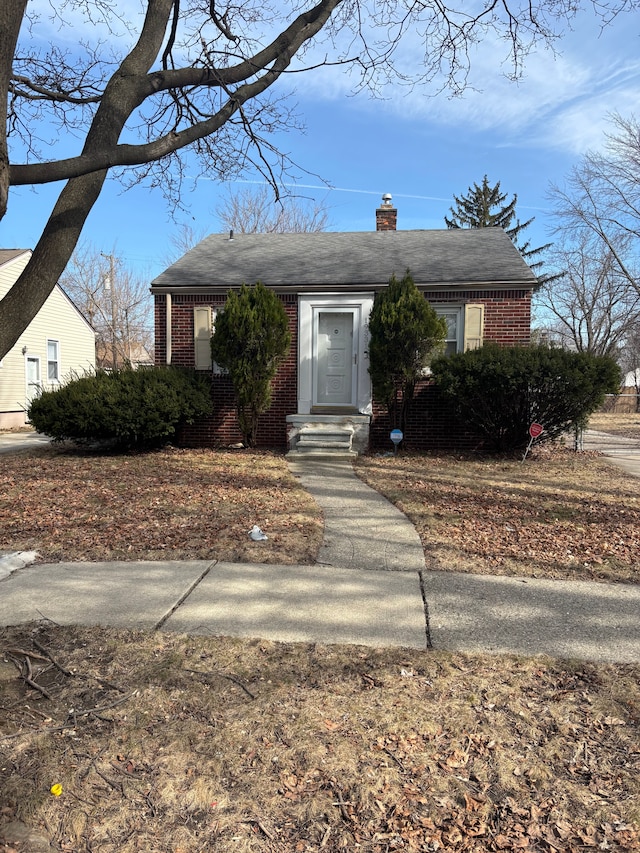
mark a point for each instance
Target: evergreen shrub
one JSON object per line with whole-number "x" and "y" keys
{"x": 124, "y": 409}
{"x": 250, "y": 340}
{"x": 404, "y": 334}
{"x": 498, "y": 392}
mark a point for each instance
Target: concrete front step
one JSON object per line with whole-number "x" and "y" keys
{"x": 321, "y": 444}
{"x": 328, "y": 435}
{"x": 324, "y": 441}
{"x": 322, "y": 453}
{"x": 325, "y": 438}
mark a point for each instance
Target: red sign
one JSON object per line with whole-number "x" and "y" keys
{"x": 535, "y": 430}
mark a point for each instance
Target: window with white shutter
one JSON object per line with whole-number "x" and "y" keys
{"x": 465, "y": 326}
{"x": 473, "y": 326}
{"x": 202, "y": 331}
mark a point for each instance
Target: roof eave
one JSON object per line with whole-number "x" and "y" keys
{"x": 321, "y": 287}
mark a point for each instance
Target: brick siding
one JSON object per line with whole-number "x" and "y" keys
{"x": 507, "y": 313}
{"x": 507, "y": 321}
{"x": 221, "y": 428}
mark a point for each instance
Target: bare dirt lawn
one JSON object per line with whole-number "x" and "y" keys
{"x": 167, "y": 505}
{"x": 174, "y": 744}
{"x": 559, "y": 515}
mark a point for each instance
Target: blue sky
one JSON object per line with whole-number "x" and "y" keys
{"x": 421, "y": 149}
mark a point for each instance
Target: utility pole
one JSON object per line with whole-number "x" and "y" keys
{"x": 110, "y": 285}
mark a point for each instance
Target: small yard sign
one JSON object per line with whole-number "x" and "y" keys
{"x": 535, "y": 430}
{"x": 396, "y": 437}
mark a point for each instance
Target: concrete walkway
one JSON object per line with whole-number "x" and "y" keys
{"x": 362, "y": 530}
{"x": 622, "y": 452}
{"x": 369, "y": 587}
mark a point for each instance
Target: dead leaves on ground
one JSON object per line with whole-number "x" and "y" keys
{"x": 170, "y": 504}
{"x": 561, "y": 515}
{"x": 192, "y": 743}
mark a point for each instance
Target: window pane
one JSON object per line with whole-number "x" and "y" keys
{"x": 452, "y": 319}
{"x": 452, "y": 326}
{"x": 52, "y": 360}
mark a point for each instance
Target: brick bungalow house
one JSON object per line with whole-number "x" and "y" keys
{"x": 327, "y": 282}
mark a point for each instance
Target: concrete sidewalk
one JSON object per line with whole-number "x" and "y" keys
{"x": 471, "y": 613}
{"x": 10, "y": 442}
{"x": 288, "y": 603}
{"x": 619, "y": 451}
{"x": 370, "y": 587}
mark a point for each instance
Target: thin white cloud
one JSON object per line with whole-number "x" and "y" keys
{"x": 561, "y": 102}
{"x": 580, "y": 124}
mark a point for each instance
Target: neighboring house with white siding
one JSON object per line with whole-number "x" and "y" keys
{"x": 57, "y": 343}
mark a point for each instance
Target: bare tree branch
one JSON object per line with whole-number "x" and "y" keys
{"x": 11, "y": 14}
{"x": 593, "y": 307}
{"x": 253, "y": 210}
{"x": 199, "y": 75}
{"x": 116, "y": 303}
{"x": 601, "y": 199}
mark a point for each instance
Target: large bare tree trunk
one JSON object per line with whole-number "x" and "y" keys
{"x": 50, "y": 257}
{"x": 60, "y": 236}
{"x": 11, "y": 15}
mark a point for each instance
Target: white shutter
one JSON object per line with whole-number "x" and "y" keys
{"x": 473, "y": 326}
{"x": 202, "y": 331}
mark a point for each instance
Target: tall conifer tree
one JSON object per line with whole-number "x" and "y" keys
{"x": 484, "y": 207}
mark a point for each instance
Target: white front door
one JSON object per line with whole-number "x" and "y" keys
{"x": 333, "y": 363}
{"x": 335, "y": 358}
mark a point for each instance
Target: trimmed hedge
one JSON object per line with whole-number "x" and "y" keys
{"x": 125, "y": 409}
{"x": 498, "y": 392}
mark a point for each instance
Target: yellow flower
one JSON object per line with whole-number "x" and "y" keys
{"x": 56, "y": 789}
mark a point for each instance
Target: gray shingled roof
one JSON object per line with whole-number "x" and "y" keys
{"x": 7, "y": 255}
{"x": 454, "y": 257}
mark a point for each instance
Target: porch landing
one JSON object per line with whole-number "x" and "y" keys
{"x": 335, "y": 435}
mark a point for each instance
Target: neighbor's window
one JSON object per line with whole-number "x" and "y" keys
{"x": 53, "y": 361}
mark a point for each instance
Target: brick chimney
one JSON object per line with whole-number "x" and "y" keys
{"x": 386, "y": 215}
